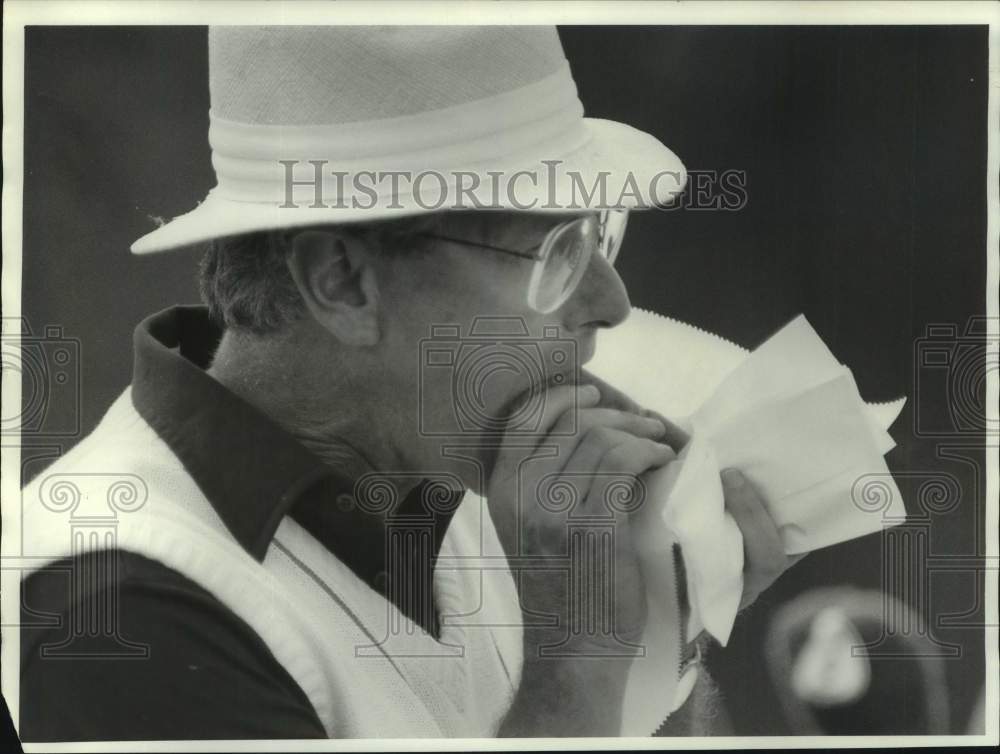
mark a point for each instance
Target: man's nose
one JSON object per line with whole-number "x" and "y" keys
{"x": 600, "y": 300}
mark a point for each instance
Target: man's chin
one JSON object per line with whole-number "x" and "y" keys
{"x": 572, "y": 375}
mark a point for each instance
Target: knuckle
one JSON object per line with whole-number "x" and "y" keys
{"x": 659, "y": 449}
{"x": 599, "y": 418}
{"x": 592, "y": 417}
{"x": 559, "y": 409}
{"x": 616, "y": 459}
{"x": 601, "y": 435}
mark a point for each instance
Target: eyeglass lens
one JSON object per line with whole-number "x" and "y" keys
{"x": 613, "y": 225}
{"x": 568, "y": 254}
{"x": 565, "y": 262}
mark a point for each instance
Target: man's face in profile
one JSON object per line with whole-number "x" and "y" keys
{"x": 461, "y": 337}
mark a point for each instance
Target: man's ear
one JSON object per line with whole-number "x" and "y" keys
{"x": 335, "y": 278}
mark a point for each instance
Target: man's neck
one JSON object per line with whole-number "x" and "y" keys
{"x": 311, "y": 403}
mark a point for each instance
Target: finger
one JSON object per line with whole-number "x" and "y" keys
{"x": 627, "y": 461}
{"x": 588, "y": 455}
{"x": 609, "y": 452}
{"x": 583, "y": 469}
{"x": 673, "y": 435}
{"x": 578, "y": 472}
{"x": 587, "y": 419}
{"x": 578, "y": 453}
{"x": 612, "y": 397}
{"x": 763, "y": 551}
{"x": 635, "y": 455}
{"x": 558, "y": 402}
{"x": 585, "y": 426}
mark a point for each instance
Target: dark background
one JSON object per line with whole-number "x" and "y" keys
{"x": 865, "y": 155}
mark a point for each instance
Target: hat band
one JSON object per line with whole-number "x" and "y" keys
{"x": 543, "y": 120}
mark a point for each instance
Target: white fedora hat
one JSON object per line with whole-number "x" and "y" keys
{"x": 324, "y": 124}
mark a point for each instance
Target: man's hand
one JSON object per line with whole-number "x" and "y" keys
{"x": 573, "y": 694}
{"x": 538, "y": 486}
{"x": 612, "y": 397}
{"x": 763, "y": 554}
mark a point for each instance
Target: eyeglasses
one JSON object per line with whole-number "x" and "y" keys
{"x": 563, "y": 255}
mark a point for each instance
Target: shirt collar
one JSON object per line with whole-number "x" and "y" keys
{"x": 254, "y": 472}
{"x": 250, "y": 469}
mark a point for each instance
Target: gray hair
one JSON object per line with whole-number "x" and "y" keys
{"x": 246, "y": 284}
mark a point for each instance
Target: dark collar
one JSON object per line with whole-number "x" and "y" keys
{"x": 251, "y": 470}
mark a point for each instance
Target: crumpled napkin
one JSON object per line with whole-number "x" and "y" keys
{"x": 789, "y": 416}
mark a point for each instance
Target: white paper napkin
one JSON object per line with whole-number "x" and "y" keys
{"x": 788, "y": 415}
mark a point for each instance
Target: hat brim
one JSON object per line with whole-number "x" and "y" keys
{"x": 638, "y": 170}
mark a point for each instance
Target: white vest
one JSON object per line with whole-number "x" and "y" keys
{"x": 367, "y": 669}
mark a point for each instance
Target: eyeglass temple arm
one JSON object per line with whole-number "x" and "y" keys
{"x": 464, "y": 242}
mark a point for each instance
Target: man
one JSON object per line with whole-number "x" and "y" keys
{"x": 294, "y": 553}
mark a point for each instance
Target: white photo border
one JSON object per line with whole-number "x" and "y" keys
{"x": 17, "y": 14}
